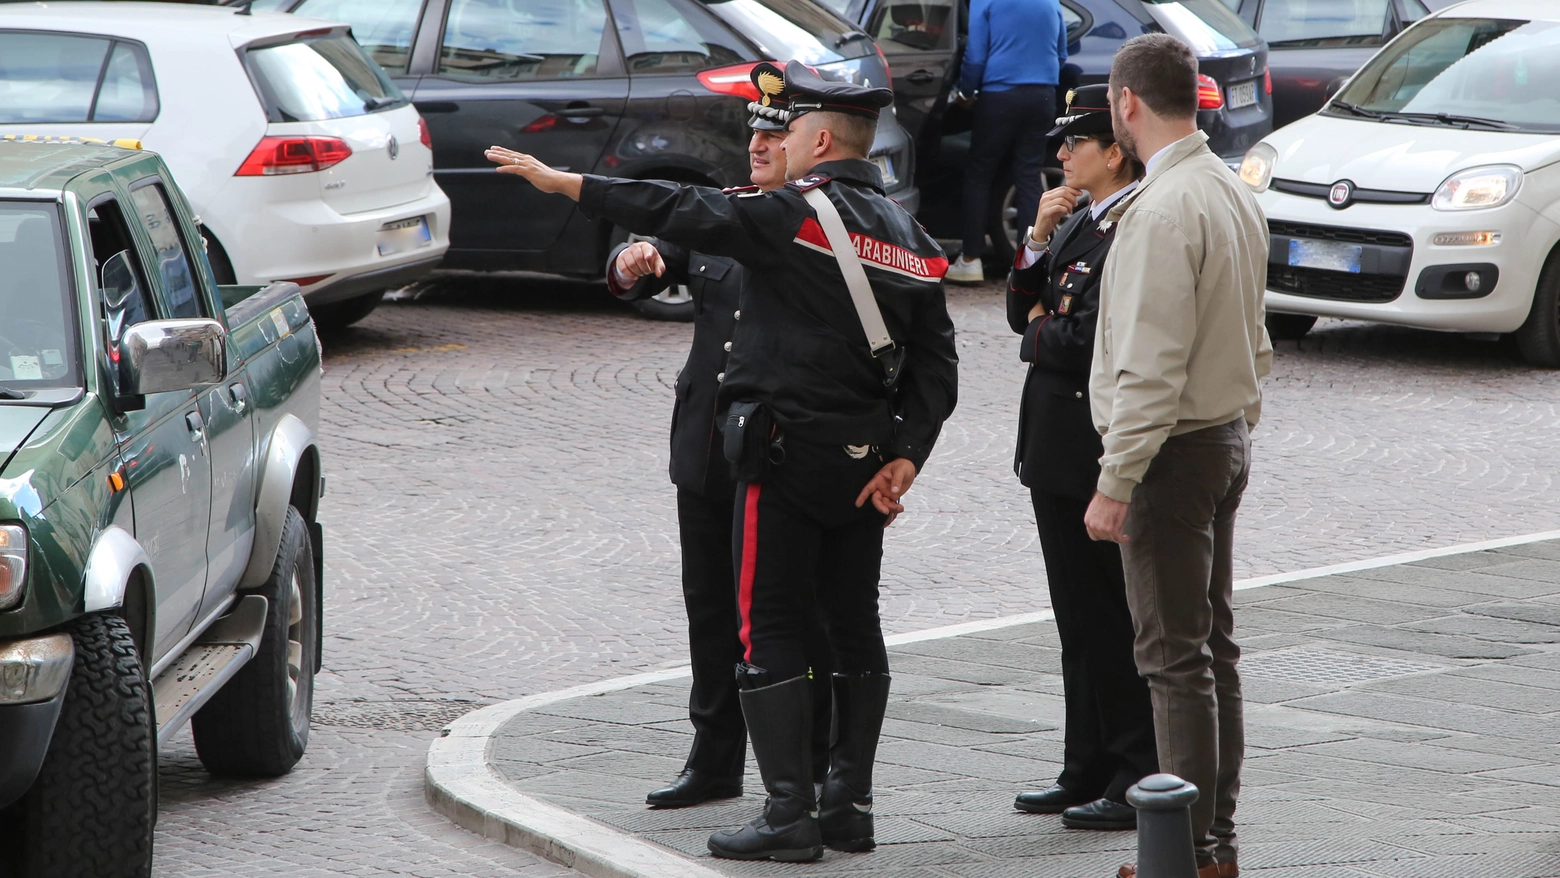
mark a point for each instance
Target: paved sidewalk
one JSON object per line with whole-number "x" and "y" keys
{"x": 1402, "y": 722}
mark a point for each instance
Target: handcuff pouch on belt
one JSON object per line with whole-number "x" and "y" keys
{"x": 750, "y": 441}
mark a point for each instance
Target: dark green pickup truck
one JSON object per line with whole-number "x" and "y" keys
{"x": 159, "y": 476}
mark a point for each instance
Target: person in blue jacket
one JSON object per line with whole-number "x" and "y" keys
{"x": 1012, "y": 67}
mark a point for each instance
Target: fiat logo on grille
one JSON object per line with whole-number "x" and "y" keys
{"x": 1341, "y": 194}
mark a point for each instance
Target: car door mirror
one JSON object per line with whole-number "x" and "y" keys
{"x": 157, "y": 356}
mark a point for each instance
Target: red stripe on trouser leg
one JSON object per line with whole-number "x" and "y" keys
{"x": 749, "y": 565}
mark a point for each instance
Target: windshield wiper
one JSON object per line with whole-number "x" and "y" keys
{"x": 1454, "y": 119}
{"x": 8, "y": 393}
{"x": 858, "y": 35}
{"x": 1356, "y": 110}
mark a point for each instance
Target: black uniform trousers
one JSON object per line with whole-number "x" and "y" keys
{"x": 805, "y": 550}
{"x": 709, "y": 593}
{"x": 1109, "y": 739}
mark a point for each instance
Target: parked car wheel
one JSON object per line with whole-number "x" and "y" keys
{"x": 340, "y": 315}
{"x": 675, "y": 303}
{"x": 258, "y": 724}
{"x": 1289, "y": 327}
{"x": 93, "y": 806}
{"x": 1539, "y": 336}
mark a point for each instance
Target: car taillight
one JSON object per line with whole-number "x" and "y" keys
{"x": 886, "y": 69}
{"x": 293, "y": 155}
{"x": 1267, "y": 81}
{"x": 1208, "y": 95}
{"x": 736, "y": 80}
{"x": 423, "y": 134}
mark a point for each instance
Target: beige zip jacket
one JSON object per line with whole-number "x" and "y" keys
{"x": 1180, "y": 344}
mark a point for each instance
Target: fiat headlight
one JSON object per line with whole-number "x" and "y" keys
{"x": 13, "y": 564}
{"x": 1478, "y": 188}
{"x": 1256, "y": 169}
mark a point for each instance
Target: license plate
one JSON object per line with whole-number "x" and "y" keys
{"x": 403, "y": 235}
{"x": 886, "y": 168}
{"x": 1328, "y": 255}
{"x": 1243, "y": 94}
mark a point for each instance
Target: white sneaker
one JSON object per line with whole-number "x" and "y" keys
{"x": 961, "y": 271}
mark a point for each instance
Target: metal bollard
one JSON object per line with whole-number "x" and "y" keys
{"x": 1163, "y": 802}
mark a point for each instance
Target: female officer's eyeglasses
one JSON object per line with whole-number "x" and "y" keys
{"x": 1071, "y": 141}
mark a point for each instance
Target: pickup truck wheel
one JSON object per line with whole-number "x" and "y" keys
{"x": 258, "y": 724}
{"x": 93, "y": 806}
{"x": 340, "y": 315}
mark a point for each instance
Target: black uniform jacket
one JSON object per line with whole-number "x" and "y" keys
{"x": 799, "y": 347}
{"x": 1058, "y": 447}
{"x": 715, "y": 283}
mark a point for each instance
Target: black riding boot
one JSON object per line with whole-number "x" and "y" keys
{"x": 779, "y": 720}
{"x": 846, "y": 814}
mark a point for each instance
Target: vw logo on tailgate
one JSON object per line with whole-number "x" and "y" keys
{"x": 393, "y": 147}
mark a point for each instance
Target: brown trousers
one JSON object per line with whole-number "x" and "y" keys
{"x": 1178, "y": 561}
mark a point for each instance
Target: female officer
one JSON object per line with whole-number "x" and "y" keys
{"x": 1053, "y": 300}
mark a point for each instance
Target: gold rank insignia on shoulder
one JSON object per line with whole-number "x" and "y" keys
{"x": 1065, "y": 305}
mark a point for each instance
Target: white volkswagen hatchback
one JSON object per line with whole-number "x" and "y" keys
{"x": 303, "y": 160}
{"x": 1427, "y": 191}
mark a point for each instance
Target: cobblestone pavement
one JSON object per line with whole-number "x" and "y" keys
{"x": 1401, "y": 723}
{"x": 499, "y": 523}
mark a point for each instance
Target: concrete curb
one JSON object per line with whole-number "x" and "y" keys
{"x": 460, "y": 783}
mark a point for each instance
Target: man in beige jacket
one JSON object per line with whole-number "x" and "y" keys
{"x": 1175, "y": 388}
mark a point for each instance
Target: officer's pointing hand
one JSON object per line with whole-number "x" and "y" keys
{"x": 887, "y": 487}
{"x": 639, "y": 259}
{"x": 533, "y": 169}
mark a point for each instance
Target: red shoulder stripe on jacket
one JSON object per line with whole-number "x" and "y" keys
{"x": 875, "y": 253}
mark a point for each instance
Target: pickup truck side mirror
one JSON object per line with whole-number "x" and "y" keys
{"x": 157, "y": 356}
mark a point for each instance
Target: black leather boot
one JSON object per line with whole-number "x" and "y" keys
{"x": 779, "y": 720}
{"x": 846, "y": 814}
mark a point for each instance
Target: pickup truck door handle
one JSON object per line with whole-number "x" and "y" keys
{"x": 197, "y": 426}
{"x": 921, "y": 76}
{"x": 580, "y": 111}
{"x": 239, "y": 395}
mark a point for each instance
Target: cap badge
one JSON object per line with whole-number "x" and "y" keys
{"x": 1071, "y": 93}
{"x": 769, "y": 85}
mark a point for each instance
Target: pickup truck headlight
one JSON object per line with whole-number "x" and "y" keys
{"x": 1256, "y": 169}
{"x": 13, "y": 564}
{"x": 1478, "y": 188}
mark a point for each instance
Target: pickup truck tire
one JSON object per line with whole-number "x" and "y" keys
{"x": 93, "y": 806}
{"x": 340, "y": 315}
{"x": 258, "y": 724}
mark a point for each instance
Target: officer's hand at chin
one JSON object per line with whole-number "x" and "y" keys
{"x": 1105, "y": 519}
{"x": 887, "y": 487}
{"x": 639, "y": 259}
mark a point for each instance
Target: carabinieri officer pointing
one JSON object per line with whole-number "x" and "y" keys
{"x": 828, "y": 425}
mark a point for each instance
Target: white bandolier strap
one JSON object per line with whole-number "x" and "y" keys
{"x": 774, "y": 113}
{"x": 850, "y": 266}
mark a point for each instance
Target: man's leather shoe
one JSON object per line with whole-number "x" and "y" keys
{"x": 1052, "y": 801}
{"x": 1101, "y": 814}
{"x": 694, "y": 786}
{"x": 1212, "y": 870}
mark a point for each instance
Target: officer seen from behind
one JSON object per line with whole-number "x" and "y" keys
{"x": 705, "y": 494}
{"x": 827, "y": 436}
{"x": 1053, "y": 300}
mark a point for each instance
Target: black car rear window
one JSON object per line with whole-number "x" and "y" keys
{"x": 50, "y": 77}
{"x": 799, "y": 30}
{"x": 316, "y": 78}
{"x": 1208, "y": 26}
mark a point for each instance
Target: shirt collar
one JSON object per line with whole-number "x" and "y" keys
{"x": 1097, "y": 209}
